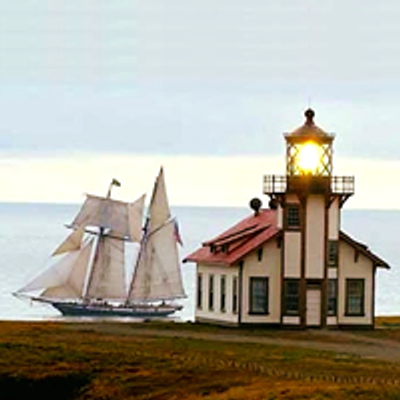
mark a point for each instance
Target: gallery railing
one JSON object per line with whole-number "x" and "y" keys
{"x": 280, "y": 184}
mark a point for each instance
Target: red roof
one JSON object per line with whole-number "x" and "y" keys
{"x": 250, "y": 234}
{"x": 235, "y": 243}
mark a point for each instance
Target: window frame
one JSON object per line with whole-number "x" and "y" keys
{"x": 361, "y": 296}
{"x": 199, "y": 300}
{"x": 222, "y": 303}
{"x": 286, "y": 311}
{"x": 253, "y": 305}
{"x": 235, "y": 294}
{"x": 289, "y": 224}
{"x": 332, "y": 297}
{"x": 211, "y": 292}
{"x": 333, "y": 253}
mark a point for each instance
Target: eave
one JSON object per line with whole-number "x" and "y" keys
{"x": 363, "y": 249}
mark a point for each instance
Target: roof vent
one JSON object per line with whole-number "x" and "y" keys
{"x": 255, "y": 204}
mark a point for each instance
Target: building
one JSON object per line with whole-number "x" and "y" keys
{"x": 291, "y": 265}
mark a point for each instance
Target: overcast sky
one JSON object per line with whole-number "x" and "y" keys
{"x": 196, "y": 78}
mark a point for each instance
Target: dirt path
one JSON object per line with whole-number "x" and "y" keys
{"x": 341, "y": 342}
{"x": 363, "y": 347}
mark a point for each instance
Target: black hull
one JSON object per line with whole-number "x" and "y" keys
{"x": 106, "y": 310}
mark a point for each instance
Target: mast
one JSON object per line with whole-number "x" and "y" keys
{"x": 98, "y": 244}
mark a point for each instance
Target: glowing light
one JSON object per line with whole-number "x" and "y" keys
{"x": 309, "y": 158}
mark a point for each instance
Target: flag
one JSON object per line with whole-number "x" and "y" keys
{"x": 115, "y": 182}
{"x": 176, "y": 233}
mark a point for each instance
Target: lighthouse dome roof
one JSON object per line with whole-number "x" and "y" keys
{"x": 309, "y": 131}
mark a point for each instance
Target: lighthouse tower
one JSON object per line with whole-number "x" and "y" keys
{"x": 308, "y": 200}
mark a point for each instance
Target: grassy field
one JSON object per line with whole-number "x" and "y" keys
{"x": 60, "y": 361}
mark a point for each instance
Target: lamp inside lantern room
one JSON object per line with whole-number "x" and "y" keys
{"x": 309, "y": 150}
{"x": 309, "y": 158}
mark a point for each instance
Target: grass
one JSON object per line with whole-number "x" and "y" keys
{"x": 114, "y": 361}
{"x": 386, "y": 328}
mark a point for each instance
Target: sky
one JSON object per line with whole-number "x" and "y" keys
{"x": 93, "y": 89}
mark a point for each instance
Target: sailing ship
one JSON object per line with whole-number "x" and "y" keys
{"x": 88, "y": 277}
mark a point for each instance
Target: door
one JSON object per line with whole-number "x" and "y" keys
{"x": 313, "y": 311}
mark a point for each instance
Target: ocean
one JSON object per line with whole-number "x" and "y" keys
{"x": 29, "y": 233}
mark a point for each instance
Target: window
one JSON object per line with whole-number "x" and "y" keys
{"x": 211, "y": 292}
{"x": 235, "y": 294}
{"x": 291, "y": 297}
{"x": 355, "y": 297}
{"x": 258, "y": 295}
{"x": 332, "y": 297}
{"x": 333, "y": 253}
{"x": 199, "y": 291}
{"x": 293, "y": 216}
{"x": 223, "y": 293}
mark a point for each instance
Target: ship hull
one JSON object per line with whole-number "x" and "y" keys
{"x": 106, "y": 310}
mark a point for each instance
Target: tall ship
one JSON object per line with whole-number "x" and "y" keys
{"x": 88, "y": 273}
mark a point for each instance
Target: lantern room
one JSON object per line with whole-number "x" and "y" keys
{"x": 309, "y": 150}
{"x": 309, "y": 166}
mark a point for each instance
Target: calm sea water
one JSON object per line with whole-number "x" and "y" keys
{"x": 30, "y": 232}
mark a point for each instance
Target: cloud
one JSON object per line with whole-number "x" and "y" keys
{"x": 197, "y": 78}
{"x": 102, "y": 41}
{"x": 198, "y": 122}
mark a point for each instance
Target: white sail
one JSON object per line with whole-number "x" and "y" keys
{"x": 65, "y": 279}
{"x": 159, "y": 209}
{"x": 158, "y": 276}
{"x": 135, "y": 216}
{"x": 71, "y": 243}
{"x": 107, "y": 280}
{"x": 106, "y": 213}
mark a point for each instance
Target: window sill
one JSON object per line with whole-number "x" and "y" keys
{"x": 293, "y": 228}
{"x": 354, "y": 315}
{"x": 258, "y": 313}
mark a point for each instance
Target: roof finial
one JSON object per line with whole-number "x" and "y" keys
{"x": 309, "y": 114}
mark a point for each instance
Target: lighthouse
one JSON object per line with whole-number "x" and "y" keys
{"x": 291, "y": 264}
{"x": 308, "y": 200}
